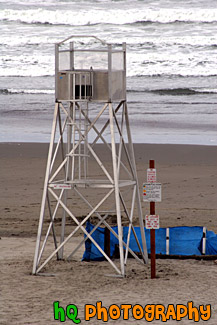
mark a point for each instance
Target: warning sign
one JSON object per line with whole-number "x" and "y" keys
{"x": 62, "y": 186}
{"x": 152, "y": 192}
{"x": 152, "y": 222}
{"x": 151, "y": 175}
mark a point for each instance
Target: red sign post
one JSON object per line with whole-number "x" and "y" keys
{"x": 153, "y": 254}
{"x": 152, "y": 194}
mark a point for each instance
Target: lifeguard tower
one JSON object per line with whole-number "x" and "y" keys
{"x": 90, "y": 111}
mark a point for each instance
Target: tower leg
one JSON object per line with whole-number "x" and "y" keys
{"x": 116, "y": 185}
{"x": 139, "y": 206}
{"x": 44, "y": 196}
{"x": 67, "y": 170}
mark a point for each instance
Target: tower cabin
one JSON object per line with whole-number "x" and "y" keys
{"x": 90, "y": 74}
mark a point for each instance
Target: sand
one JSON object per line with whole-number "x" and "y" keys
{"x": 189, "y": 180}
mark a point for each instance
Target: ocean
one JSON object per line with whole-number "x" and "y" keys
{"x": 171, "y": 64}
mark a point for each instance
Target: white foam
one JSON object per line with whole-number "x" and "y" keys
{"x": 206, "y": 90}
{"x": 155, "y": 51}
{"x": 166, "y": 63}
{"x": 30, "y": 91}
{"x": 86, "y": 15}
{"x": 27, "y": 65}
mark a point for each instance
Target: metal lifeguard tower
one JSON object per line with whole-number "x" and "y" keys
{"x": 90, "y": 110}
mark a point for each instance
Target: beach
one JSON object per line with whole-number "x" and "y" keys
{"x": 189, "y": 181}
{"x": 171, "y": 69}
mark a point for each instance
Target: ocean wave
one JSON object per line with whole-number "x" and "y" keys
{"x": 164, "y": 91}
{"x": 177, "y": 91}
{"x": 138, "y": 43}
{"x": 134, "y": 72}
{"x": 11, "y": 91}
{"x": 183, "y": 91}
{"x": 179, "y": 73}
{"x": 102, "y": 15}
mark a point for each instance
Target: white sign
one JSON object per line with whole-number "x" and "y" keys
{"x": 152, "y": 192}
{"x": 151, "y": 175}
{"x": 152, "y": 222}
{"x": 62, "y": 186}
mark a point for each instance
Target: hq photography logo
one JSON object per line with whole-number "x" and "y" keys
{"x": 148, "y": 313}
